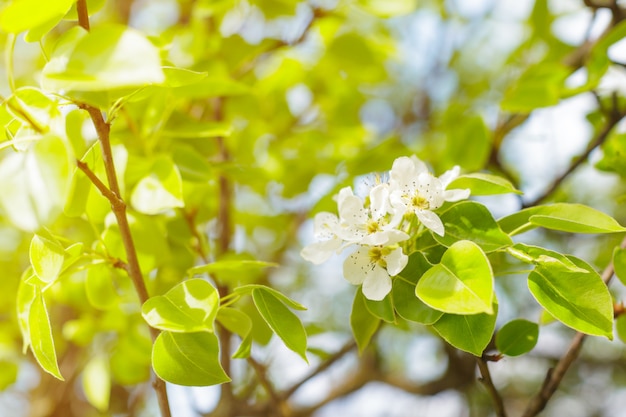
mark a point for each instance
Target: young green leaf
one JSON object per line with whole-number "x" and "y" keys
{"x": 470, "y": 333}
{"x": 484, "y": 184}
{"x": 619, "y": 264}
{"x": 461, "y": 284}
{"x": 190, "y": 306}
{"x": 99, "y": 286}
{"x": 239, "y": 323}
{"x": 382, "y": 309}
{"x": 362, "y": 322}
{"x": 189, "y": 359}
{"x": 96, "y": 381}
{"x": 575, "y": 218}
{"x": 159, "y": 191}
{"x": 22, "y": 15}
{"x": 247, "y": 289}
{"x": 40, "y": 332}
{"x": 46, "y": 258}
{"x": 579, "y": 300}
{"x": 469, "y": 220}
{"x": 281, "y": 320}
{"x": 517, "y": 337}
{"x": 26, "y": 294}
{"x": 411, "y": 308}
{"x": 108, "y": 57}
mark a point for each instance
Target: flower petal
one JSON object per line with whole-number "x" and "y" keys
{"x": 377, "y": 284}
{"x": 456, "y": 194}
{"x": 356, "y": 266}
{"x": 447, "y": 177}
{"x": 396, "y": 261}
{"x": 431, "y": 221}
{"x": 379, "y": 201}
{"x": 351, "y": 210}
{"x": 320, "y": 252}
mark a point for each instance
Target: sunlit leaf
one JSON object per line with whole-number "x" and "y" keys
{"x": 159, "y": 191}
{"x": 41, "y": 342}
{"x": 281, "y": 320}
{"x": 239, "y": 323}
{"x": 461, "y": 284}
{"x": 189, "y": 359}
{"x": 96, "y": 379}
{"x": 362, "y": 322}
{"x": 21, "y": 15}
{"x": 484, "y": 184}
{"x": 190, "y": 306}
{"x": 470, "y": 333}
{"x": 46, "y": 257}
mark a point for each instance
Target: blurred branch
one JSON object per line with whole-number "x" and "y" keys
{"x": 614, "y": 117}
{"x": 555, "y": 375}
{"x": 491, "y": 388}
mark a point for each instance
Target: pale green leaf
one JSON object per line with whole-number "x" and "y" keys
{"x": 469, "y": 220}
{"x": 461, "y": 284}
{"x": 100, "y": 288}
{"x": 46, "y": 257}
{"x": 26, "y": 294}
{"x": 21, "y": 15}
{"x": 41, "y": 342}
{"x": 484, "y": 184}
{"x": 96, "y": 381}
{"x": 108, "y": 57}
{"x": 470, "y": 333}
{"x": 579, "y": 300}
{"x": 159, "y": 191}
{"x": 517, "y": 337}
{"x": 619, "y": 264}
{"x": 362, "y": 322}
{"x": 247, "y": 289}
{"x": 281, "y": 320}
{"x": 190, "y": 306}
{"x": 239, "y": 323}
{"x": 189, "y": 359}
{"x": 575, "y": 218}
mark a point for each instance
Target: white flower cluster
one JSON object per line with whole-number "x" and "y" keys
{"x": 378, "y": 224}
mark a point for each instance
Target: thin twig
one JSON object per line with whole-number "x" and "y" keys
{"x": 601, "y": 137}
{"x": 491, "y": 388}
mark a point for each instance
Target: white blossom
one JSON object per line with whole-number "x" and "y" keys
{"x": 415, "y": 189}
{"x": 326, "y": 226}
{"x": 373, "y": 266}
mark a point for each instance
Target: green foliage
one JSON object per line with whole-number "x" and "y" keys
{"x": 149, "y": 166}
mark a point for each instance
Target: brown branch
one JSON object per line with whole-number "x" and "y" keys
{"x": 601, "y": 137}
{"x": 348, "y": 347}
{"x": 491, "y": 388}
{"x": 118, "y": 206}
{"x": 554, "y": 376}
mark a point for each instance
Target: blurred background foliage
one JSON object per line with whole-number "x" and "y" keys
{"x": 303, "y": 98}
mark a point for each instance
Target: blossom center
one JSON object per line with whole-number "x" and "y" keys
{"x": 420, "y": 202}
{"x": 377, "y": 254}
{"x": 372, "y": 226}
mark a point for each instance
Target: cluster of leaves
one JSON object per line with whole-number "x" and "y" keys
{"x": 134, "y": 163}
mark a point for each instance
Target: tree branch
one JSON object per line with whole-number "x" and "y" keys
{"x": 491, "y": 388}
{"x": 118, "y": 206}
{"x": 601, "y": 137}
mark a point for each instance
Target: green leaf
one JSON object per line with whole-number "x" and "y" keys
{"x": 363, "y": 323}
{"x": 9, "y": 373}
{"x": 468, "y": 333}
{"x": 26, "y": 294}
{"x": 33, "y": 107}
{"x": 109, "y": 57}
{"x": 484, "y": 184}
{"x": 406, "y": 303}
{"x": 565, "y": 217}
{"x": 411, "y": 308}
{"x": 517, "y": 337}
{"x": 579, "y": 300}
{"x": 469, "y": 220}
{"x": 34, "y": 184}
{"x": 100, "y": 288}
{"x": 382, "y": 309}
{"x": 247, "y": 289}
{"x": 281, "y": 320}
{"x": 41, "y": 342}
{"x": 96, "y": 381}
{"x": 160, "y": 191}
{"x": 189, "y": 359}
{"x": 619, "y": 264}
{"x": 46, "y": 257}
{"x": 540, "y": 86}
{"x": 461, "y": 284}
{"x": 239, "y": 323}
{"x": 21, "y": 15}
{"x": 190, "y": 306}
{"x": 178, "y": 77}
{"x": 575, "y": 218}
